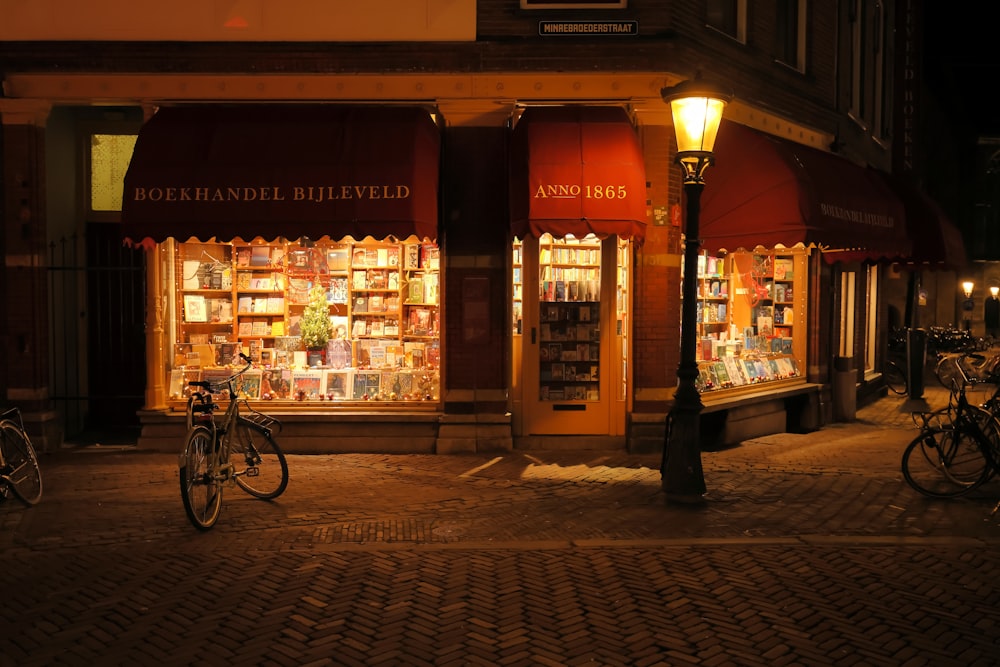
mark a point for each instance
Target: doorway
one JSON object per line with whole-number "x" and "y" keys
{"x": 570, "y": 336}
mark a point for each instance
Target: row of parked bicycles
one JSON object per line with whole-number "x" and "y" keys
{"x": 958, "y": 447}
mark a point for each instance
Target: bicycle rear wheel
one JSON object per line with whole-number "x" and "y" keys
{"x": 201, "y": 489}
{"x": 261, "y": 469}
{"x": 20, "y": 468}
{"x": 895, "y": 378}
{"x": 945, "y": 463}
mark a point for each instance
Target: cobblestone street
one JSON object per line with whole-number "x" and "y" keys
{"x": 809, "y": 550}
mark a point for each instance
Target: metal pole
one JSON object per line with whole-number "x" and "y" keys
{"x": 683, "y": 479}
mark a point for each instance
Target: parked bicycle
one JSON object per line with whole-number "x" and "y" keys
{"x": 896, "y": 378}
{"x": 956, "y": 450}
{"x": 19, "y": 471}
{"x": 963, "y": 368}
{"x": 238, "y": 449}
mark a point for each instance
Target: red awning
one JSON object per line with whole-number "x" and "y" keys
{"x": 283, "y": 171}
{"x": 577, "y": 170}
{"x": 767, "y": 191}
{"x": 937, "y": 242}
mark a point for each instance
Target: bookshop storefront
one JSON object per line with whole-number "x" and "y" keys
{"x": 301, "y": 235}
{"x": 778, "y": 221}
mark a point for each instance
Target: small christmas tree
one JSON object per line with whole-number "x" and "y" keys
{"x": 316, "y": 319}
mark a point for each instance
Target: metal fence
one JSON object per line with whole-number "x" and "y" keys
{"x": 97, "y": 333}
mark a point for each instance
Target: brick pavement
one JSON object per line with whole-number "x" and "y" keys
{"x": 809, "y": 550}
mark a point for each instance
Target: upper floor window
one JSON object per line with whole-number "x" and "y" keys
{"x": 109, "y": 157}
{"x": 790, "y": 27}
{"x": 728, "y": 17}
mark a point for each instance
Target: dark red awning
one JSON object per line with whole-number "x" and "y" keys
{"x": 283, "y": 171}
{"x": 937, "y": 242}
{"x": 767, "y": 191}
{"x": 577, "y": 170}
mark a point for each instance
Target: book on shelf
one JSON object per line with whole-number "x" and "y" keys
{"x": 376, "y": 303}
{"x": 244, "y": 304}
{"x": 415, "y": 292}
{"x": 382, "y": 257}
{"x": 338, "y": 291}
{"x": 430, "y": 256}
{"x": 245, "y": 328}
{"x": 430, "y": 288}
{"x": 260, "y": 255}
{"x": 378, "y": 327}
{"x": 306, "y": 383}
{"x": 275, "y": 304}
{"x": 376, "y": 356}
{"x": 411, "y": 256}
{"x": 360, "y": 304}
{"x": 420, "y": 321}
{"x": 277, "y": 256}
{"x": 783, "y": 268}
{"x": 278, "y": 328}
{"x": 359, "y": 280}
{"x": 191, "y": 274}
{"x": 242, "y": 256}
{"x": 366, "y": 384}
{"x": 260, "y": 327}
{"x": 336, "y": 259}
{"x": 413, "y": 354}
{"x": 195, "y": 308}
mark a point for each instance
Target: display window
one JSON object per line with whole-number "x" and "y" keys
{"x": 750, "y": 318}
{"x": 322, "y": 321}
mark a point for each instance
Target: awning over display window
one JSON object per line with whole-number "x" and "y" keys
{"x": 767, "y": 191}
{"x": 577, "y": 170}
{"x": 937, "y": 242}
{"x": 283, "y": 171}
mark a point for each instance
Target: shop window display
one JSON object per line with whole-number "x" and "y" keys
{"x": 750, "y": 318}
{"x": 322, "y": 321}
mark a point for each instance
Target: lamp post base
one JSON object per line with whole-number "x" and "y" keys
{"x": 683, "y": 479}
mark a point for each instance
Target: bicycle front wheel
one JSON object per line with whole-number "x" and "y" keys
{"x": 20, "y": 468}
{"x": 945, "y": 463}
{"x": 201, "y": 489}
{"x": 261, "y": 469}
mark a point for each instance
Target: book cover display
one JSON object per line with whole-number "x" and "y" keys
{"x": 745, "y": 316}
{"x": 383, "y": 300}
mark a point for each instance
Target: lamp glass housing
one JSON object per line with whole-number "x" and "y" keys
{"x": 696, "y": 122}
{"x": 967, "y": 288}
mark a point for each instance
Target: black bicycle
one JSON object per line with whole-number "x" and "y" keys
{"x": 895, "y": 378}
{"x": 956, "y": 450}
{"x": 237, "y": 450}
{"x": 19, "y": 472}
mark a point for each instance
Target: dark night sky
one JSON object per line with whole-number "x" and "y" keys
{"x": 962, "y": 61}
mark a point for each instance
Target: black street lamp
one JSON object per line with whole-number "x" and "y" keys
{"x": 697, "y": 111}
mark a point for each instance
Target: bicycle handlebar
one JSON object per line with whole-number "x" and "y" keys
{"x": 207, "y": 386}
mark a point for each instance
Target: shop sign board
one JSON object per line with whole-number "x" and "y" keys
{"x": 588, "y": 28}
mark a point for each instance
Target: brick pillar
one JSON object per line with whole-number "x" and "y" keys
{"x": 24, "y": 329}
{"x": 656, "y": 306}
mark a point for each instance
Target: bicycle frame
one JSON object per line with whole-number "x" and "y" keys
{"x": 207, "y": 463}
